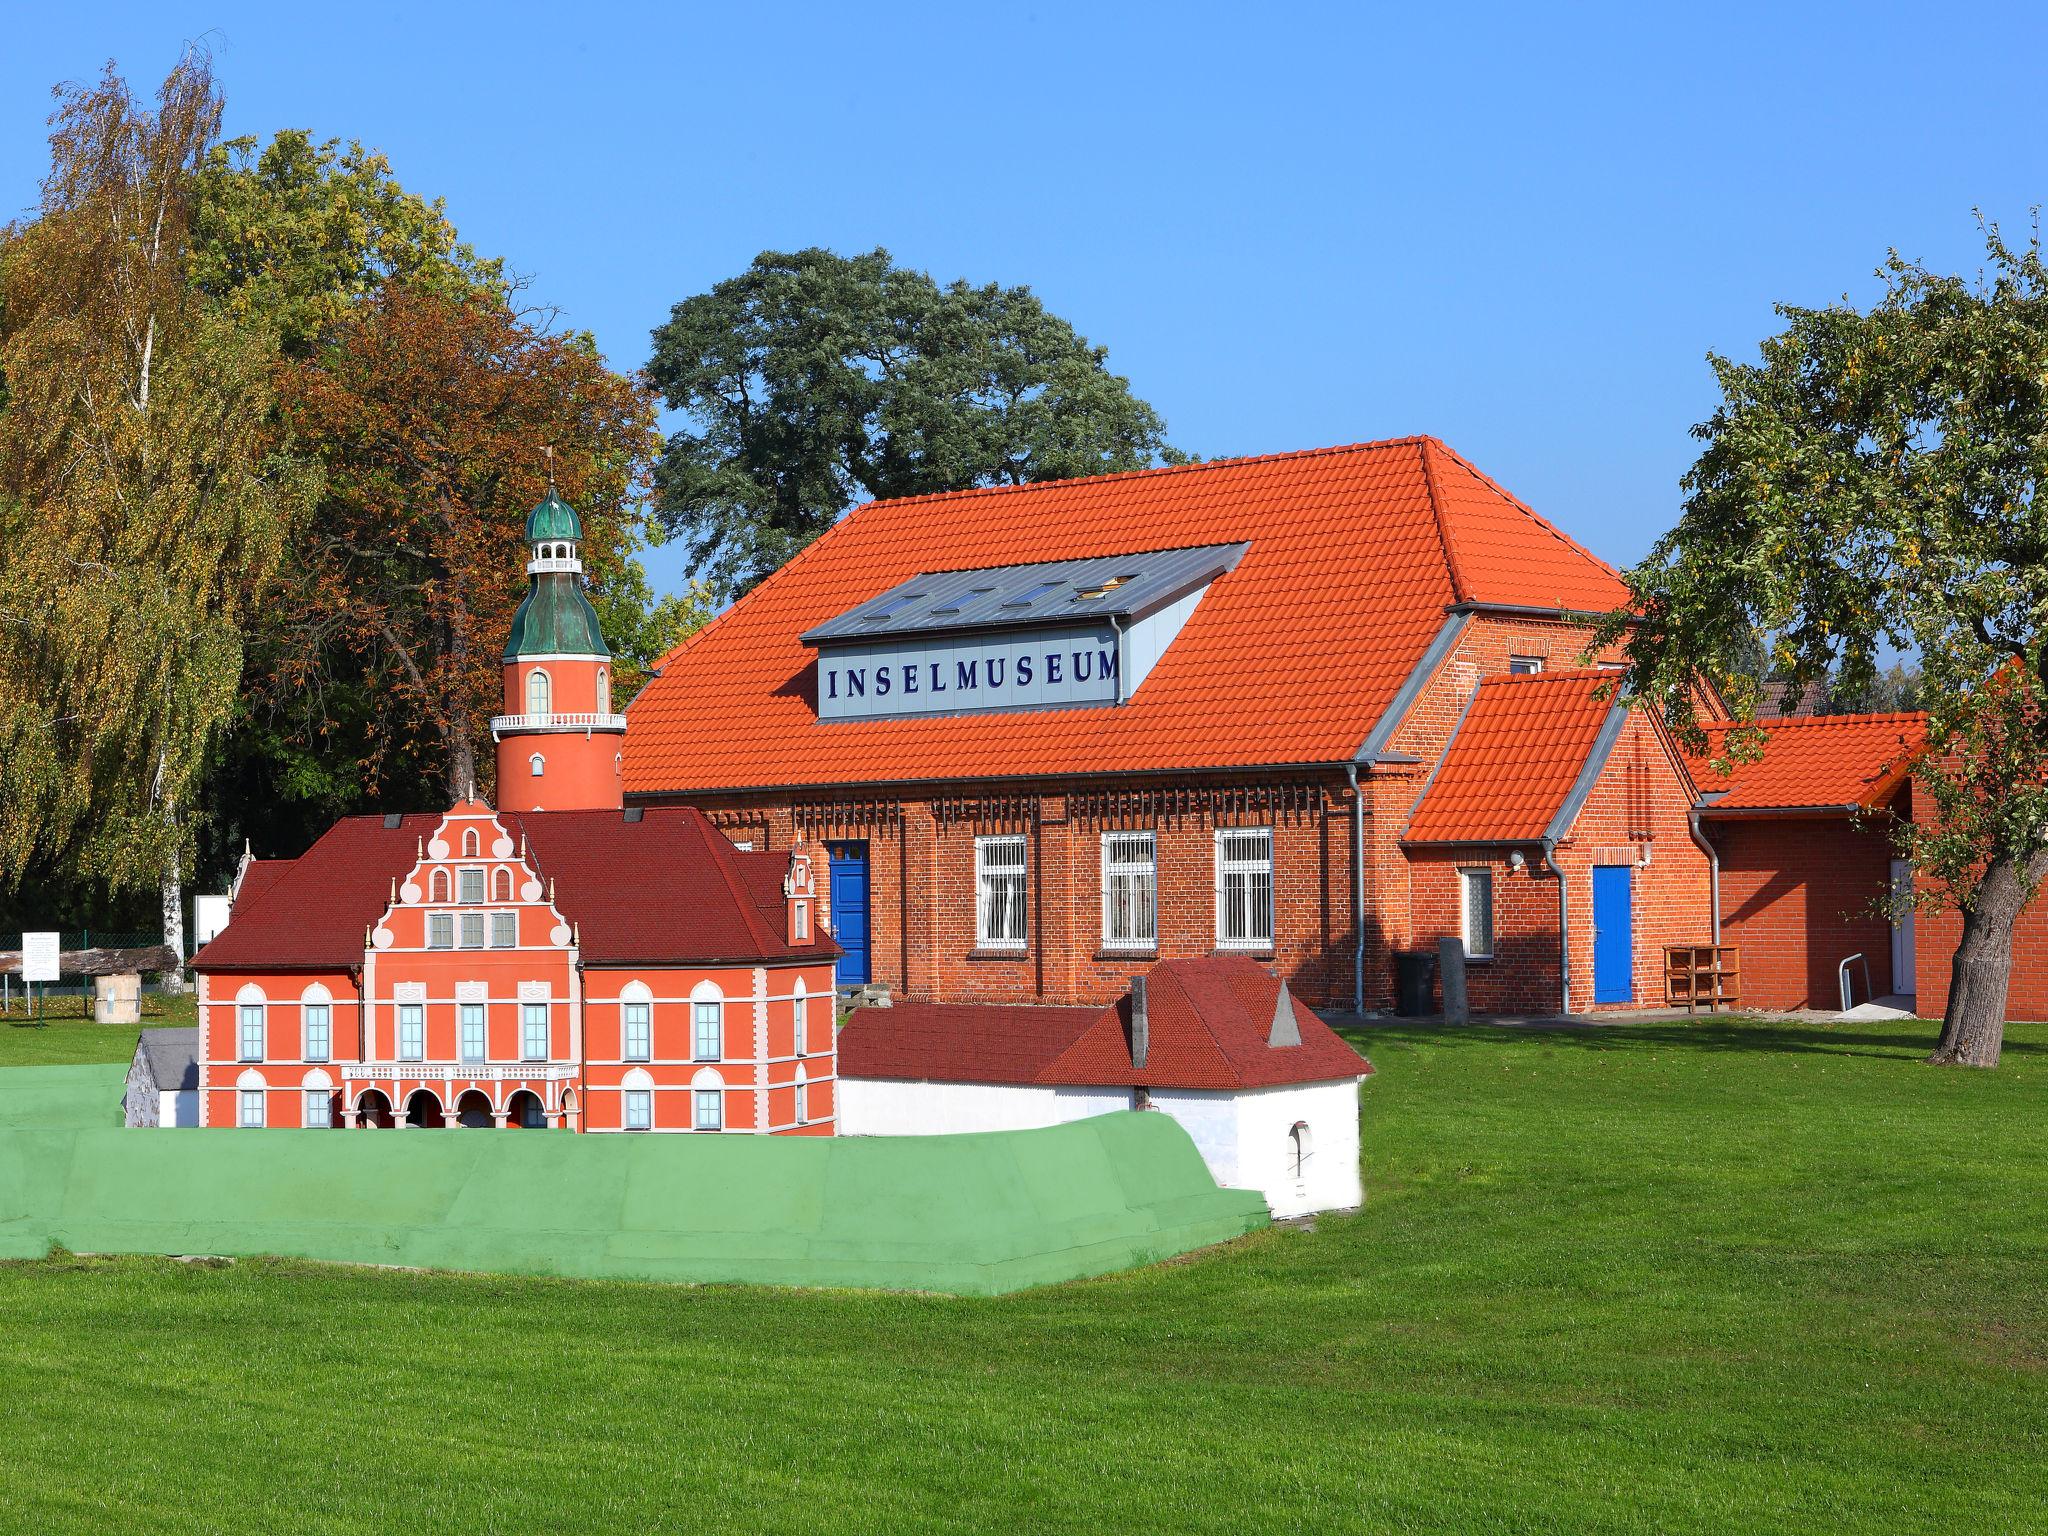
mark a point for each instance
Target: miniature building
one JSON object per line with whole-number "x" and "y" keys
{"x": 577, "y": 966}
{"x": 163, "y": 1079}
{"x": 1267, "y": 1091}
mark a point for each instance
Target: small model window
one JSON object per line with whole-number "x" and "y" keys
{"x": 710, "y": 1109}
{"x": 251, "y": 1115}
{"x": 802, "y": 925}
{"x": 472, "y": 1033}
{"x": 1300, "y": 1148}
{"x": 707, "y": 1030}
{"x": 1476, "y": 901}
{"x": 251, "y": 1020}
{"x": 412, "y": 1032}
{"x": 319, "y": 1110}
{"x": 472, "y": 885}
{"x": 637, "y": 1027}
{"x": 472, "y": 930}
{"x": 319, "y": 1022}
{"x": 800, "y": 1013}
{"x": 803, "y": 1096}
{"x": 536, "y": 763}
{"x": 999, "y": 913}
{"x": 437, "y": 885}
{"x": 639, "y": 1109}
{"x": 440, "y": 930}
{"x": 1244, "y": 888}
{"x": 504, "y": 930}
{"x": 539, "y": 693}
{"x": 604, "y": 691}
{"x": 1130, "y": 885}
{"x": 470, "y": 846}
{"x": 501, "y": 884}
{"x": 533, "y": 1032}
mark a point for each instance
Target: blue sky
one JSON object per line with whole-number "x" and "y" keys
{"x": 1519, "y": 228}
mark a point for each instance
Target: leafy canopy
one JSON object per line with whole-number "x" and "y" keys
{"x": 812, "y": 380}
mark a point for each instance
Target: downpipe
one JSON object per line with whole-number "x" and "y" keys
{"x": 1564, "y": 927}
{"x": 1706, "y": 846}
{"x": 1357, "y": 890}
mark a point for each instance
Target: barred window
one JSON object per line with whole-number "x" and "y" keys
{"x": 319, "y": 1110}
{"x": 1244, "y": 888}
{"x": 252, "y": 1031}
{"x": 504, "y": 929}
{"x": 319, "y": 1031}
{"x": 440, "y": 930}
{"x": 639, "y": 1109}
{"x": 472, "y": 930}
{"x": 251, "y": 1117}
{"x": 639, "y": 1031}
{"x": 999, "y": 917}
{"x": 1476, "y": 899}
{"x": 533, "y": 1032}
{"x": 1130, "y": 888}
{"x": 710, "y": 1109}
{"x": 412, "y": 1032}
{"x": 708, "y": 1030}
{"x": 472, "y": 1032}
{"x": 471, "y": 885}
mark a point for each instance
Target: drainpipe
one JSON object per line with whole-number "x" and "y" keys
{"x": 1564, "y": 929}
{"x": 1705, "y": 845}
{"x": 1357, "y": 890}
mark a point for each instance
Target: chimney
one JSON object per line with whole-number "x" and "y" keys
{"x": 1141, "y": 1024}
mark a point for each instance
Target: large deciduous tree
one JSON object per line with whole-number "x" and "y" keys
{"x": 812, "y": 379}
{"x": 142, "y": 509}
{"x": 434, "y": 413}
{"x": 1875, "y": 480}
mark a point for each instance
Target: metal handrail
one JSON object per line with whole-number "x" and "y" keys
{"x": 1842, "y": 974}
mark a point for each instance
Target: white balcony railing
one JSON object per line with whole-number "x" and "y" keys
{"x": 458, "y": 1072}
{"x": 556, "y": 721}
{"x": 553, "y": 563}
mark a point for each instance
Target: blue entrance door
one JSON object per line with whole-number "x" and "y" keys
{"x": 1614, "y": 949}
{"x": 850, "y": 910}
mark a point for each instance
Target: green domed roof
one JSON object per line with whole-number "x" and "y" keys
{"x": 555, "y": 618}
{"x": 553, "y": 519}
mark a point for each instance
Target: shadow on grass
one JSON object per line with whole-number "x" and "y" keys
{"x": 1912, "y": 1041}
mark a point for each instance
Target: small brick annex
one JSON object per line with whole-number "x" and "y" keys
{"x": 1309, "y": 698}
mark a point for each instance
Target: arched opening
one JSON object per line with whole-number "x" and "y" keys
{"x": 473, "y": 1110}
{"x": 536, "y": 763}
{"x": 471, "y": 847}
{"x": 524, "y": 1111}
{"x": 373, "y": 1108}
{"x": 423, "y": 1109}
{"x": 539, "y": 693}
{"x": 1300, "y": 1148}
{"x": 501, "y": 884}
{"x": 604, "y": 691}
{"x": 803, "y": 1095}
{"x": 570, "y": 1105}
{"x": 437, "y": 885}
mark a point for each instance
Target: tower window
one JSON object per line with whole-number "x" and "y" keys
{"x": 535, "y": 762}
{"x": 539, "y": 693}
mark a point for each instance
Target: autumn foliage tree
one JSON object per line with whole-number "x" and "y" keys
{"x": 435, "y": 413}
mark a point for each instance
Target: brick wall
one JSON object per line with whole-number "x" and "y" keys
{"x": 1936, "y": 935}
{"x": 1799, "y": 895}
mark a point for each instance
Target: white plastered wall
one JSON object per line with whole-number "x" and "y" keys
{"x": 893, "y": 1107}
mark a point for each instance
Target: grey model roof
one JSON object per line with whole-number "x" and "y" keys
{"x": 173, "y": 1057}
{"x": 1049, "y": 592}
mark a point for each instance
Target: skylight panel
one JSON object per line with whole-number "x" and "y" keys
{"x": 1031, "y": 595}
{"x": 894, "y": 606}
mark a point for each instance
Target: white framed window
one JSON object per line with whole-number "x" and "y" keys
{"x": 800, "y": 1014}
{"x": 1524, "y": 666}
{"x": 639, "y": 1109}
{"x": 472, "y": 1043}
{"x": 437, "y": 885}
{"x": 470, "y": 883}
{"x": 318, "y": 1019}
{"x": 539, "y": 692}
{"x": 636, "y": 1024}
{"x": 536, "y": 763}
{"x": 1244, "y": 888}
{"x": 803, "y": 1096}
{"x": 708, "y": 1109}
{"x": 471, "y": 845}
{"x": 472, "y": 930}
{"x": 412, "y": 1032}
{"x": 504, "y": 930}
{"x": 250, "y": 1113}
{"x": 319, "y": 1111}
{"x": 533, "y": 1032}
{"x": 1130, "y": 891}
{"x": 1475, "y": 904}
{"x": 707, "y": 1030}
{"x": 802, "y": 922}
{"x": 440, "y": 930}
{"x": 999, "y": 913}
{"x": 604, "y": 691}
{"x": 250, "y": 1018}
{"x": 501, "y": 884}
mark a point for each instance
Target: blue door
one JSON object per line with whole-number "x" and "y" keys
{"x": 850, "y": 910}
{"x": 1614, "y": 948}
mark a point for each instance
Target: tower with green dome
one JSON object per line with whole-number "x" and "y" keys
{"x": 560, "y": 746}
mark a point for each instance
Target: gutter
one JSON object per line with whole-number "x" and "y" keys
{"x": 1706, "y": 846}
{"x": 1564, "y": 929}
{"x": 1357, "y": 890}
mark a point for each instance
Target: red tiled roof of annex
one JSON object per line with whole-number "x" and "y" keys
{"x": 1813, "y": 762}
{"x": 1355, "y": 553}
{"x": 1514, "y": 759}
{"x": 1209, "y": 1021}
{"x": 668, "y": 888}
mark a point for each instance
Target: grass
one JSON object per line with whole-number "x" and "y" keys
{"x": 66, "y": 1036}
{"x": 1693, "y": 1277}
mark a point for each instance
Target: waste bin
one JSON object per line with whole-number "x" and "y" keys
{"x": 1414, "y": 984}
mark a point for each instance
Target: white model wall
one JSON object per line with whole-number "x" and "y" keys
{"x": 1246, "y": 1137}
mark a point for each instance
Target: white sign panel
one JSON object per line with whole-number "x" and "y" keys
{"x": 967, "y": 673}
{"x": 209, "y": 916}
{"x": 39, "y": 957}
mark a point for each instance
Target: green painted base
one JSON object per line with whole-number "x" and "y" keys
{"x": 981, "y": 1215}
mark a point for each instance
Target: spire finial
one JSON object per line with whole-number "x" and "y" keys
{"x": 548, "y": 453}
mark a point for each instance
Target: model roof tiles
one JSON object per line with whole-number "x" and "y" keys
{"x": 1813, "y": 762}
{"x": 1290, "y": 657}
{"x": 1210, "y": 1021}
{"x": 1514, "y": 760}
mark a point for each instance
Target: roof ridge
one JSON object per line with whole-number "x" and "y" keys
{"x": 1524, "y": 508}
{"x": 750, "y": 909}
{"x": 1552, "y": 675}
{"x": 1892, "y": 717}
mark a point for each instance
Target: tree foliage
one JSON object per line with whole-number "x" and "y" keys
{"x": 142, "y": 510}
{"x": 1873, "y": 481}
{"x": 812, "y": 380}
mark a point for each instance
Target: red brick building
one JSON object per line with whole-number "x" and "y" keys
{"x": 1042, "y": 736}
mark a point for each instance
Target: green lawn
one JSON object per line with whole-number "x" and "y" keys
{"x": 1703, "y": 1277}
{"x": 65, "y": 1037}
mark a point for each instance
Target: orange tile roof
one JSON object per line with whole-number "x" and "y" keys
{"x": 1514, "y": 759}
{"x": 1813, "y": 762}
{"x": 1355, "y": 554}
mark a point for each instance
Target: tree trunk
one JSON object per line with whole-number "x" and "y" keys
{"x": 173, "y": 893}
{"x": 1973, "y": 1029}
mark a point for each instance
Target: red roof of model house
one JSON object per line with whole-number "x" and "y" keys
{"x": 1353, "y": 555}
{"x": 1521, "y": 760}
{"x": 1217, "y": 1022}
{"x": 663, "y": 887}
{"x": 1813, "y": 762}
